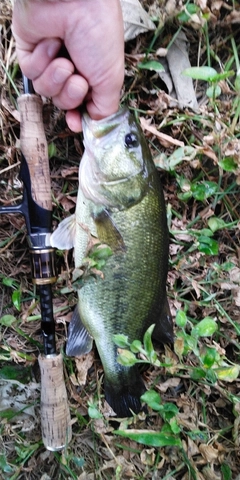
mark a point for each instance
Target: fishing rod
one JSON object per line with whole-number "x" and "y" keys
{"x": 36, "y": 207}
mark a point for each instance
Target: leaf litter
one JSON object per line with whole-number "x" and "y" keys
{"x": 193, "y": 149}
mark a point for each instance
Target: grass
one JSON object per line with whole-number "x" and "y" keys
{"x": 191, "y": 430}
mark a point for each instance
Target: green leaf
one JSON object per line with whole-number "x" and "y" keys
{"x": 198, "y": 373}
{"x": 10, "y": 282}
{"x": 216, "y": 223}
{"x": 211, "y": 376}
{"x": 202, "y": 191}
{"x": 201, "y": 73}
{"x": 207, "y": 245}
{"x": 152, "y": 65}
{"x": 16, "y": 299}
{"x": 4, "y": 466}
{"x": 228, "y": 164}
{"x": 169, "y": 411}
{"x": 185, "y": 15}
{"x": 184, "y": 196}
{"x": 213, "y": 91}
{"x": 7, "y": 320}
{"x": 152, "y": 399}
{"x": 126, "y": 358}
{"x": 227, "y": 374}
{"x": 52, "y": 150}
{"x": 79, "y": 461}
{"x": 93, "y": 412}
{"x": 147, "y": 341}
{"x": 226, "y": 471}
{"x": 150, "y": 437}
{"x": 121, "y": 340}
{"x": 174, "y": 426}
{"x": 181, "y": 319}
{"x": 136, "y": 346}
{"x": 209, "y": 357}
{"x": 15, "y": 372}
{"x": 205, "y": 328}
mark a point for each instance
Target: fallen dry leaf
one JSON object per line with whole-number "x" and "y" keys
{"x": 83, "y": 364}
{"x": 209, "y": 453}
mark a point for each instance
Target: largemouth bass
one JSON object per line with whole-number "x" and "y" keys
{"x": 120, "y": 202}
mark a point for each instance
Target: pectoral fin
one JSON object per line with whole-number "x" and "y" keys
{"x": 79, "y": 341}
{"x": 107, "y": 231}
{"x": 64, "y": 236}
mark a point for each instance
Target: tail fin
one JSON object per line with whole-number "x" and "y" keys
{"x": 124, "y": 396}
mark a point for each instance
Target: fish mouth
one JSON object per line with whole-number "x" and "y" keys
{"x": 100, "y": 128}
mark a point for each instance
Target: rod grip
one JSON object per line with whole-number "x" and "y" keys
{"x": 55, "y": 415}
{"x": 35, "y": 149}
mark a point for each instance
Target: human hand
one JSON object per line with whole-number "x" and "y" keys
{"x": 92, "y": 32}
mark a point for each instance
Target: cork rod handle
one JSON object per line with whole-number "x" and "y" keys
{"x": 34, "y": 148}
{"x": 55, "y": 416}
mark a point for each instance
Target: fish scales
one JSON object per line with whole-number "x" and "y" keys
{"x": 124, "y": 209}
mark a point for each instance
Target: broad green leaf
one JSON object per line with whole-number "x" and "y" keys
{"x": 169, "y": 411}
{"x": 99, "y": 252}
{"x": 7, "y": 320}
{"x": 210, "y": 356}
{"x": 216, "y": 223}
{"x": 174, "y": 426}
{"x": 150, "y": 437}
{"x": 228, "y": 164}
{"x": 153, "y": 399}
{"x": 198, "y": 373}
{"x": 201, "y": 73}
{"x": 202, "y": 191}
{"x": 121, "y": 340}
{"x": 152, "y": 65}
{"x": 181, "y": 318}
{"x": 211, "y": 376}
{"x": 213, "y": 91}
{"x": 126, "y": 358}
{"x": 228, "y": 374}
{"x": 205, "y": 328}
{"x": 136, "y": 346}
{"x": 208, "y": 245}
{"x": 185, "y": 196}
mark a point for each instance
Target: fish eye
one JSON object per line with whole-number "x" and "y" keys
{"x": 131, "y": 140}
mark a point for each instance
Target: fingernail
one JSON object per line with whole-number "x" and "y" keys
{"x": 53, "y": 48}
{"x": 60, "y": 75}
